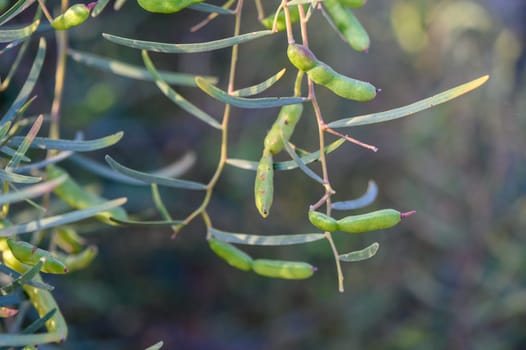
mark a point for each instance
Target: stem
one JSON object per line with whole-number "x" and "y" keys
{"x": 351, "y": 139}
{"x": 337, "y": 259}
{"x": 326, "y": 198}
{"x": 210, "y": 17}
{"x": 62, "y": 47}
{"x": 224, "y": 128}
{"x": 288, "y": 22}
{"x": 45, "y": 10}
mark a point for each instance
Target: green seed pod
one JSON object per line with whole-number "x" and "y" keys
{"x": 232, "y": 255}
{"x": 76, "y": 197}
{"x": 79, "y": 261}
{"x": 348, "y": 25}
{"x": 322, "y": 221}
{"x": 9, "y": 259}
{"x": 72, "y": 17}
{"x": 285, "y": 123}
{"x": 352, "y": 3}
{"x": 44, "y": 302}
{"x": 301, "y": 57}
{"x": 376, "y": 220}
{"x": 31, "y": 255}
{"x": 166, "y": 6}
{"x": 68, "y": 239}
{"x": 293, "y": 270}
{"x": 264, "y": 184}
{"x": 268, "y": 21}
{"x": 324, "y": 75}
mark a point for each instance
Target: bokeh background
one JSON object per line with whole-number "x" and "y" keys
{"x": 451, "y": 277}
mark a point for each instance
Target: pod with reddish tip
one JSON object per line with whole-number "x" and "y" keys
{"x": 264, "y": 184}
{"x": 28, "y": 254}
{"x": 285, "y": 123}
{"x": 322, "y": 221}
{"x": 232, "y": 255}
{"x": 376, "y": 220}
{"x": 166, "y": 6}
{"x": 322, "y": 74}
{"x": 72, "y": 17}
{"x": 293, "y": 270}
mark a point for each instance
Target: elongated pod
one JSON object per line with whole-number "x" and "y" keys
{"x": 79, "y": 261}
{"x": 68, "y": 239}
{"x": 294, "y": 270}
{"x": 376, "y": 220}
{"x": 166, "y": 6}
{"x": 322, "y": 221}
{"x": 28, "y": 254}
{"x": 232, "y": 255}
{"x": 76, "y": 197}
{"x": 348, "y": 25}
{"x": 72, "y": 17}
{"x": 285, "y": 123}
{"x": 264, "y": 184}
{"x": 322, "y": 74}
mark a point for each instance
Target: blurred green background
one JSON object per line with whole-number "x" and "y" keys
{"x": 451, "y": 277}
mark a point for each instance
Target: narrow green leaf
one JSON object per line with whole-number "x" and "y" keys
{"x": 209, "y": 8}
{"x": 29, "y": 84}
{"x": 287, "y": 165}
{"x": 118, "y": 4}
{"x": 360, "y": 255}
{"x": 33, "y": 283}
{"x": 176, "y": 169}
{"x": 17, "y": 178}
{"x": 300, "y": 163}
{"x": 131, "y": 71}
{"x": 22, "y": 279}
{"x": 259, "y": 88}
{"x": 175, "y": 97}
{"x": 155, "y": 346}
{"x": 101, "y": 5}
{"x": 241, "y": 102}
{"x": 70, "y": 145}
{"x": 4, "y": 129}
{"x": 24, "y": 145}
{"x": 14, "y": 10}
{"x": 271, "y": 240}
{"x": 39, "y": 323}
{"x": 43, "y": 163}
{"x": 154, "y": 179}
{"x": 147, "y": 223}
{"x": 366, "y": 199}
{"x": 186, "y": 48}
{"x": 52, "y": 221}
{"x": 8, "y": 35}
{"x": 31, "y": 191}
{"x": 14, "y": 66}
{"x": 11, "y": 152}
{"x": 411, "y": 108}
